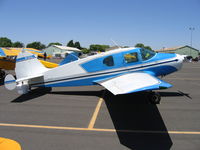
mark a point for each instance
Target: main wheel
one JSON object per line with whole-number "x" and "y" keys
{"x": 154, "y": 98}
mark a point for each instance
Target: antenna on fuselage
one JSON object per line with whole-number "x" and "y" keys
{"x": 115, "y": 43}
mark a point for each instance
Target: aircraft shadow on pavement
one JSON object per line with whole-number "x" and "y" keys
{"x": 133, "y": 113}
{"x": 174, "y": 94}
{"x": 42, "y": 91}
{"x": 80, "y": 93}
{"x": 32, "y": 95}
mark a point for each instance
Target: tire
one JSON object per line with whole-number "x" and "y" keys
{"x": 154, "y": 98}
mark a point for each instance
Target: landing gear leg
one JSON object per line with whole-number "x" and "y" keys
{"x": 154, "y": 97}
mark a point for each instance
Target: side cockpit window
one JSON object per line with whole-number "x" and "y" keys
{"x": 131, "y": 57}
{"x": 147, "y": 54}
{"x": 108, "y": 61}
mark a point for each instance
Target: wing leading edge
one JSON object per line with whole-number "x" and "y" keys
{"x": 133, "y": 82}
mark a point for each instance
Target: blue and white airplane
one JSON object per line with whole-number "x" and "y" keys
{"x": 121, "y": 71}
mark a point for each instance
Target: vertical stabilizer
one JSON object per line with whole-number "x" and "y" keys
{"x": 28, "y": 65}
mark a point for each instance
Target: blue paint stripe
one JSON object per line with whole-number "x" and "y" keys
{"x": 119, "y": 71}
{"x": 25, "y": 58}
{"x": 10, "y": 81}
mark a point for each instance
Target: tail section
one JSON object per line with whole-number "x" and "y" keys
{"x": 28, "y": 65}
{"x": 27, "y": 69}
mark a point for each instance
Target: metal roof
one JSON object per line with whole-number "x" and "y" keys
{"x": 174, "y": 48}
{"x": 67, "y": 48}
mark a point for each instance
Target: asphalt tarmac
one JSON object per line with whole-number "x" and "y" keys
{"x": 91, "y": 118}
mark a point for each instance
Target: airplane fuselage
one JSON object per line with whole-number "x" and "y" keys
{"x": 103, "y": 66}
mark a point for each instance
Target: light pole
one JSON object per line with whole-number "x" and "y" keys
{"x": 191, "y": 29}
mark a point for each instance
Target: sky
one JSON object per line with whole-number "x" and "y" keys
{"x": 155, "y": 23}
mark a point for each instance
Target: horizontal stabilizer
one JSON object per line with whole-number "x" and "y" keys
{"x": 10, "y": 82}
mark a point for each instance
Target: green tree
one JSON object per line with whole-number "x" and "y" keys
{"x": 77, "y": 45}
{"x": 148, "y": 47}
{"x": 54, "y": 43}
{"x": 5, "y": 42}
{"x": 85, "y": 50}
{"x": 139, "y": 45}
{"x": 70, "y": 43}
{"x": 97, "y": 47}
{"x": 36, "y": 45}
{"x": 18, "y": 44}
{"x": 143, "y": 46}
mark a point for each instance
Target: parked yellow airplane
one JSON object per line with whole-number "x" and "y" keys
{"x": 8, "y": 58}
{"x": 16, "y": 51}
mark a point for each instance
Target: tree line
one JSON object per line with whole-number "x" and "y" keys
{"x": 6, "y": 42}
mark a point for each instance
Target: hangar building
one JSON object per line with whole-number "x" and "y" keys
{"x": 60, "y": 51}
{"x": 182, "y": 50}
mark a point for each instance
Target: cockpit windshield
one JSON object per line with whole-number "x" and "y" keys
{"x": 147, "y": 54}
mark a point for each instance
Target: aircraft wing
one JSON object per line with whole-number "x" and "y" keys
{"x": 133, "y": 82}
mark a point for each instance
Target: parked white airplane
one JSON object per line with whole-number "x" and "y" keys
{"x": 121, "y": 71}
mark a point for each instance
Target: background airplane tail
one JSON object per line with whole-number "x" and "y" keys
{"x": 27, "y": 65}
{"x": 69, "y": 58}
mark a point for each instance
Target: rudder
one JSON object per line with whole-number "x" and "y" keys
{"x": 27, "y": 65}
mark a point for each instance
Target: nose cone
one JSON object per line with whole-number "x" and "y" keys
{"x": 180, "y": 59}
